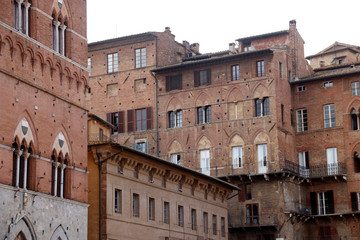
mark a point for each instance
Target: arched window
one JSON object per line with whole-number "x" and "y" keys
{"x": 20, "y": 165}
{"x": 58, "y": 32}
{"x": 21, "y": 16}
{"x": 354, "y": 120}
{"x": 58, "y": 175}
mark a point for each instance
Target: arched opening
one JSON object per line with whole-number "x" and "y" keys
{"x": 354, "y": 120}
{"x": 15, "y": 150}
{"x": 356, "y": 162}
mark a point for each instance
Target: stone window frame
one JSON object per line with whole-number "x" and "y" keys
{"x": 112, "y": 62}
{"x": 301, "y": 120}
{"x": 140, "y": 57}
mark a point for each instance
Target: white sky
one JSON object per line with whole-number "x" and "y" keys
{"x": 214, "y": 24}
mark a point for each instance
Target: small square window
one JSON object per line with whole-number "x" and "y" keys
{"x": 301, "y": 88}
{"x": 328, "y": 84}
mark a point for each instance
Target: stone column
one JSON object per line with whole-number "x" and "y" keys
{"x": 18, "y": 155}
{"x": 56, "y": 164}
{"x": 26, "y": 157}
{"x": 56, "y": 37}
{"x": 19, "y": 18}
{"x": 62, "y": 27}
{"x": 27, "y": 6}
{"x": 63, "y": 166}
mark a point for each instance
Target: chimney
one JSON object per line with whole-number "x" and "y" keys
{"x": 167, "y": 30}
{"x": 186, "y": 44}
{"x": 195, "y": 47}
{"x": 232, "y": 47}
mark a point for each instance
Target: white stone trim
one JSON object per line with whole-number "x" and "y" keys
{"x": 77, "y": 34}
{"x": 43, "y": 46}
{"x": 40, "y": 194}
{"x": 46, "y": 159}
{"x": 42, "y": 12}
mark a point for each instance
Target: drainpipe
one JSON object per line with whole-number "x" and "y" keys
{"x": 100, "y": 162}
{"x": 156, "y": 112}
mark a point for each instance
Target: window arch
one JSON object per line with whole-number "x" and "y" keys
{"x": 58, "y": 34}
{"x": 354, "y": 120}
{"x": 22, "y": 16}
{"x": 58, "y": 174}
{"x": 21, "y": 169}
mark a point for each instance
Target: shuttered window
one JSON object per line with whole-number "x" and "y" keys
{"x": 202, "y": 77}
{"x": 174, "y": 82}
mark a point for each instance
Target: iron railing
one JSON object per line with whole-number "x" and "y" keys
{"x": 96, "y": 138}
{"x": 324, "y": 170}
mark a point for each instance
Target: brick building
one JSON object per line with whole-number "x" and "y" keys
{"x": 327, "y": 144}
{"x": 149, "y": 197}
{"x": 122, "y": 89}
{"x": 43, "y": 165}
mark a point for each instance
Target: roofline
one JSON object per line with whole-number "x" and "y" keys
{"x": 333, "y": 51}
{"x": 320, "y": 78}
{"x": 91, "y": 115}
{"x": 146, "y": 34}
{"x": 210, "y": 60}
{"x": 266, "y": 35}
{"x": 219, "y": 181}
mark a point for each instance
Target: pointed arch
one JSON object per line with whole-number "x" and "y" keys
{"x": 354, "y": 103}
{"x": 202, "y": 99}
{"x": 260, "y": 91}
{"x": 175, "y": 147}
{"x": 173, "y": 104}
{"x": 61, "y": 144}
{"x": 235, "y": 139}
{"x": 22, "y": 227}
{"x": 59, "y": 234}
{"x": 261, "y": 136}
{"x": 203, "y": 142}
{"x": 235, "y": 94}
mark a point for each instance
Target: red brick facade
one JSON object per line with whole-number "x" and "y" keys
{"x": 43, "y": 117}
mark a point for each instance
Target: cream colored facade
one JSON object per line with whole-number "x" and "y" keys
{"x": 144, "y": 197}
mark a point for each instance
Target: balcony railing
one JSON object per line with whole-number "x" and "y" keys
{"x": 317, "y": 171}
{"x": 97, "y": 138}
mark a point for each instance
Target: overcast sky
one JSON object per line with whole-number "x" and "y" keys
{"x": 214, "y": 24}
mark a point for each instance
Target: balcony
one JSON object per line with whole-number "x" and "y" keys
{"x": 263, "y": 222}
{"x": 317, "y": 171}
{"x": 98, "y": 138}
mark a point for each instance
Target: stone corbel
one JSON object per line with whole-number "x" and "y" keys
{"x": 33, "y": 60}
{"x": 12, "y": 51}
{"x": 70, "y": 79}
{"x": 42, "y": 68}
{"x": 52, "y": 70}
{"x": 1, "y": 44}
{"x": 78, "y": 85}
{"x": 23, "y": 57}
{"x": 61, "y": 78}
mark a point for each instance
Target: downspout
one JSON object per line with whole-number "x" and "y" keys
{"x": 156, "y": 112}
{"x": 100, "y": 162}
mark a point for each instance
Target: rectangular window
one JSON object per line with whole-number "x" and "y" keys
{"x": 301, "y": 88}
{"x": 175, "y": 118}
{"x": 355, "y": 201}
{"x": 301, "y": 120}
{"x": 329, "y": 116}
{"x": 117, "y": 201}
{"x": 328, "y": 84}
{"x": 252, "y": 213}
{"x": 140, "y": 57}
{"x": 214, "y": 224}
{"x": 237, "y": 157}
{"x": 280, "y": 70}
{"x": 193, "y": 219}
{"x": 136, "y": 205}
{"x": 355, "y": 88}
{"x": 204, "y": 114}
{"x": 101, "y": 134}
{"x": 262, "y": 158}
{"x": 117, "y": 120}
{"x": 223, "y": 227}
{"x": 151, "y": 209}
{"x": 175, "y": 158}
{"x": 112, "y": 62}
{"x": 282, "y": 113}
{"x": 202, "y": 77}
{"x": 173, "y": 82}
{"x": 141, "y": 146}
{"x": 205, "y": 222}
{"x": 332, "y": 164}
{"x": 304, "y": 164}
{"x": 260, "y": 67}
{"x": 141, "y": 119}
{"x": 262, "y": 107}
{"x": 325, "y": 203}
{"x": 166, "y": 213}
{"x": 180, "y": 216}
{"x": 89, "y": 66}
{"x": 205, "y": 161}
{"x": 235, "y": 72}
